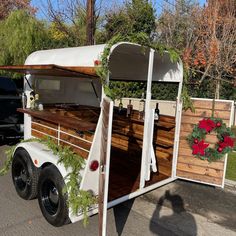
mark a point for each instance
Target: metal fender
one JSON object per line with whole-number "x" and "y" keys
{"x": 41, "y": 155}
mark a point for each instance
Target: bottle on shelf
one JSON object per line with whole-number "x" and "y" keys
{"x": 157, "y": 112}
{"x": 32, "y": 100}
{"x": 129, "y": 109}
{"x": 24, "y": 100}
{"x": 142, "y": 107}
{"x": 120, "y": 107}
{"x": 36, "y": 101}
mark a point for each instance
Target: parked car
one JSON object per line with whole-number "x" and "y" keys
{"x": 11, "y": 121}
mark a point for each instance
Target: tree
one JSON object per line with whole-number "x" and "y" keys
{"x": 134, "y": 17}
{"x": 90, "y": 24}
{"x": 213, "y": 52}
{"x": 176, "y": 24}
{"x": 7, "y": 6}
{"x": 70, "y": 18}
{"x": 20, "y": 35}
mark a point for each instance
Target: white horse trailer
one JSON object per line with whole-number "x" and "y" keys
{"x": 134, "y": 155}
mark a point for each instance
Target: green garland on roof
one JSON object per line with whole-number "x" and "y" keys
{"x": 139, "y": 38}
{"x": 142, "y": 39}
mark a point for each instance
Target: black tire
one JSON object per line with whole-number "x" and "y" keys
{"x": 52, "y": 200}
{"x": 24, "y": 175}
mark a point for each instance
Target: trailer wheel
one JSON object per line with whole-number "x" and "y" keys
{"x": 52, "y": 200}
{"x": 24, "y": 175}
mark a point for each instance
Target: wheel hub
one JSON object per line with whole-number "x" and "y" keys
{"x": 53, "y": 195}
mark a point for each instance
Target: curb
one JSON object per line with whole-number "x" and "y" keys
{"x": 230, "y": 184}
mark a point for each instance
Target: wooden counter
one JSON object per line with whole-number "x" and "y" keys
{"x": 62, "y": 119}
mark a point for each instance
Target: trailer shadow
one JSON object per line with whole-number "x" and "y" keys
{"x": 121, "y": 214}
{"x": 177, "y": 222}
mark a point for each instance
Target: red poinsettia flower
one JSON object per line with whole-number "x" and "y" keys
{"x": 228, "y": 142}
{"x": 207, "y": 124}
{"x": 199, "y": 148}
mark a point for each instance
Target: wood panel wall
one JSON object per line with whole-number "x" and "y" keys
{"x": 80, "y": 142}
{"x": 189, "y": 166}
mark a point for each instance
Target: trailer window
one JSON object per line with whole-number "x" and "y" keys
{"x": 49, "y": 85}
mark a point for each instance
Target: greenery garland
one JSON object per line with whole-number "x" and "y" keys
{"x": 139, "y": 38}
{"x": 79, "y": 200}
{"x": 200, "y": 149}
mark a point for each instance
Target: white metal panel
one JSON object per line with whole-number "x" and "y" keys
{"x": 90, "y": 178}
{"x": 127, "y": 61}
{"x": 75, "y": 56}
{"x": 145, "y": 164}
{"x": 178, "y": 114}
{"x": 107, "y": 170}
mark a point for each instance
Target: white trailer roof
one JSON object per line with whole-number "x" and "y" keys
{"x": 127, "y": 62}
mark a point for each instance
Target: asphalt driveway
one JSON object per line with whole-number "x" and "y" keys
{"x": 179, "y": 208}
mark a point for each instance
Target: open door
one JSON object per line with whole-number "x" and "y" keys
{"x": 105, "y": 150}
{"x": 190, "y": 168}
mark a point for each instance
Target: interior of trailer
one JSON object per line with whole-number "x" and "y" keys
{"x": 126, "y": 151}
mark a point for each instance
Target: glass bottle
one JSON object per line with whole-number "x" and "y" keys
{"x": 36, "y": 102}
{"x": 120, "y": 107}
{"x": 129, "y": 109}
{"x": 157, "y": 112}
{"x": 141, "y": 107}
{"x": 24, "y": 100}
{"x": 32, "y": 100}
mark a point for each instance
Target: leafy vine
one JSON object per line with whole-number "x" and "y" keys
{"x": 79, "y": 200}
{"x": 139, "y": 38}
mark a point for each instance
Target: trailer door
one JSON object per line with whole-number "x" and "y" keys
{"x": 105, "y": 149}
{"x": 187, "y": 166}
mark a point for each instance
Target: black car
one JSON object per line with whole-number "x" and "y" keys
{"x": 11, "y": 121}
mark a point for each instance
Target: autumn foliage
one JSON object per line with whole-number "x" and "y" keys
{"x": 6, "y": 6}
{"x": 213, "y": 49}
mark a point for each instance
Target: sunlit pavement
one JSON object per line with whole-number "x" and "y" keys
{"x": 179, "y": 208}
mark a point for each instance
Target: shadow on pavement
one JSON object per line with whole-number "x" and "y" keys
{"x": 121, "y": 214}
{"x": 179, "y": 222}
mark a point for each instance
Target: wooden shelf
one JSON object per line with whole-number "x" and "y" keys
{"x": 56, "y": 118}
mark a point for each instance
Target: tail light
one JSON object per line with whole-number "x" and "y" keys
{"x": 94, "y": 165}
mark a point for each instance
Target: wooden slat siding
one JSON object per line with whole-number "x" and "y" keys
{"x": 84, "y": 135}
{"x": 201, "y": 170}
{"x": 209, "y": 139}
{"x": 195, "y": 120}
{"x": 207, "y": 105}
{"x": 75, "y": 141}
{"x": 79, "y": 151}
{"x": 207, "y": 113}
{"x": 197, "y": 177}
{"x": 46, "y": 123}
{"x": 185, "y": 151}
{"x": 45, "y": 130}
{"x": 218, "y": 165}
{"x": 39, "y": 135}
{"x": 187, "y": 165}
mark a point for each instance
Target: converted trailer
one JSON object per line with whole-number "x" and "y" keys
{"x": 125, "y": 156}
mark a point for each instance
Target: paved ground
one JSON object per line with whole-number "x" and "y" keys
{"x": 179, "y": 208}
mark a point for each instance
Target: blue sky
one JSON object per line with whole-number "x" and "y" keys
{"x": 106, "y": 3}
